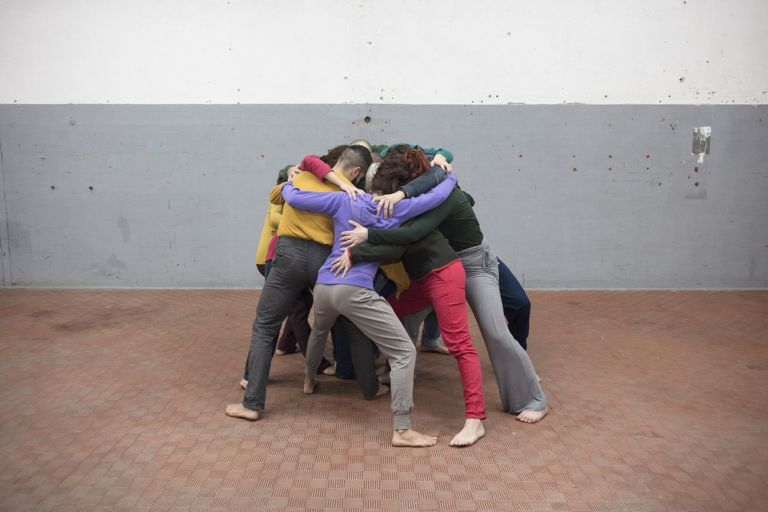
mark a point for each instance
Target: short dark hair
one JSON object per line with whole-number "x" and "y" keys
{"x": 356, "y": 156}
{"x": 282, "y": 176}
{"x": 333, "y": 154}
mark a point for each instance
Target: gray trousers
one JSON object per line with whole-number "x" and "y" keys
{"x": 373, "y": 315}
{"x": 518, "y": 385}
{"x": 294, "y": 268}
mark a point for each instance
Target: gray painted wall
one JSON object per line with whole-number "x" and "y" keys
{"x": 570, "y": 196}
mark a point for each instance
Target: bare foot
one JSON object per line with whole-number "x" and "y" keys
{"x": 384, "y": 379}
{"x": 279, "y": 352}
{"x": 532, "y": 416}
{"x": 309, "y": 385}
{"x": 469, "y": 435}
{"x": 243, "y": 383}
{"x": 412, "y": 438}
{"x": 437, "y": 349}
{"x": 331, "y": 370}
{"x": 238, "y": 411}
{"x": 383, "y": 390}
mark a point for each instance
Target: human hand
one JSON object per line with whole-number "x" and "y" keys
{"x": 293, "y": 171}
{"x": 387, "y": 203}
{"x": 341, "y": 264}
{"x": 441, "y": 162}
{"x": 351, "y": 190}
{"x": 355, "y": 236}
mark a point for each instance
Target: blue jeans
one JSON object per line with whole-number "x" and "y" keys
{"x": 430, "y": 334}
{"x": 517, "y": 311}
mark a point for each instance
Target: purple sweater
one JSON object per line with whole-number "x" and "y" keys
{"x": 342, "y": 209}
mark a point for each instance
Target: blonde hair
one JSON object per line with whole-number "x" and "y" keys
{"x": 361, "y": 142}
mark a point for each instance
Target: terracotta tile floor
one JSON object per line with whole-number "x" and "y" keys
{"x": 115, "y": 400}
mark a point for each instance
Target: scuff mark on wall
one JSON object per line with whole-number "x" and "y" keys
{"x": 697, "y": 183}
{"x": 19, "y": 238}
{"x": 114, "y": 261}
{"x": 125, "y": 229}
{"x": 702, "y": 136}
{"x": 752, "y": 267}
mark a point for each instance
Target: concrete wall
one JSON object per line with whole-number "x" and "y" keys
{"x": 168, "y": 188}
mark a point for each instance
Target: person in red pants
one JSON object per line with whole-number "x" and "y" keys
{"x": 437, "y": 278}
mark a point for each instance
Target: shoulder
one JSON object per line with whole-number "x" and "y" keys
{"x": 308, "y": 181}
{"x": 457, "y": 196}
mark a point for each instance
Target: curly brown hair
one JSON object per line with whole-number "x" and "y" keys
{"x": 396, "y": 171}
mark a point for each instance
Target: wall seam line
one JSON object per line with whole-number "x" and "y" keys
{"x": 9, "y": 280}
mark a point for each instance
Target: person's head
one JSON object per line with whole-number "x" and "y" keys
{"x": 282, "y": 176}
{"x": 395, "y": 172}
{"x": 397, "y": 151}
{"x": 332, "y": 156}
{"x": 361, "y": 142}
{"x": 379, "y": 148}
{"x": 353, "y": 162}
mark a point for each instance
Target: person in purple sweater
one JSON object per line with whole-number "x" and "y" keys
{"x": 351, "y": 294}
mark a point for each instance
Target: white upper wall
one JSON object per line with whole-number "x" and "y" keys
{"x": 384, "y": 51}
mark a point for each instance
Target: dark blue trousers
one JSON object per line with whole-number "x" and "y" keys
{"x": 517, "y": 306}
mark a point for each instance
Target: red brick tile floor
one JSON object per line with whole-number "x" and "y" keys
{"x": 115, "y": 400}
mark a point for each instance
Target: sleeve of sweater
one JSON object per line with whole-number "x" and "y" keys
{"x": 425, "y": 182}
{"x": 381, "y": 253}
{"x": 319, "y": 202}
{"x": 414, "y": 230}
{"x": 409, "y": 208}
{"x": 276, "y": 195}
{"x": 274, "y": 214}
{"x": 313, "y": 164}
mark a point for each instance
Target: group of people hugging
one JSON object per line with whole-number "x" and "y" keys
{"x": 378, "y": 242}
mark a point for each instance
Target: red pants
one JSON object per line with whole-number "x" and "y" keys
{"x": 444, "y": 288}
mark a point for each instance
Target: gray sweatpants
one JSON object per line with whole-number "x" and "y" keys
{"x": 374, "y": 317}
{"x": 518, "y": 385}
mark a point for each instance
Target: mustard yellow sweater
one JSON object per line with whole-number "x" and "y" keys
{"x": 318, "y": 227}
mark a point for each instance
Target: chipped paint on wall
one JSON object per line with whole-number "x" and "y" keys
{"x": 702, "y": 137}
